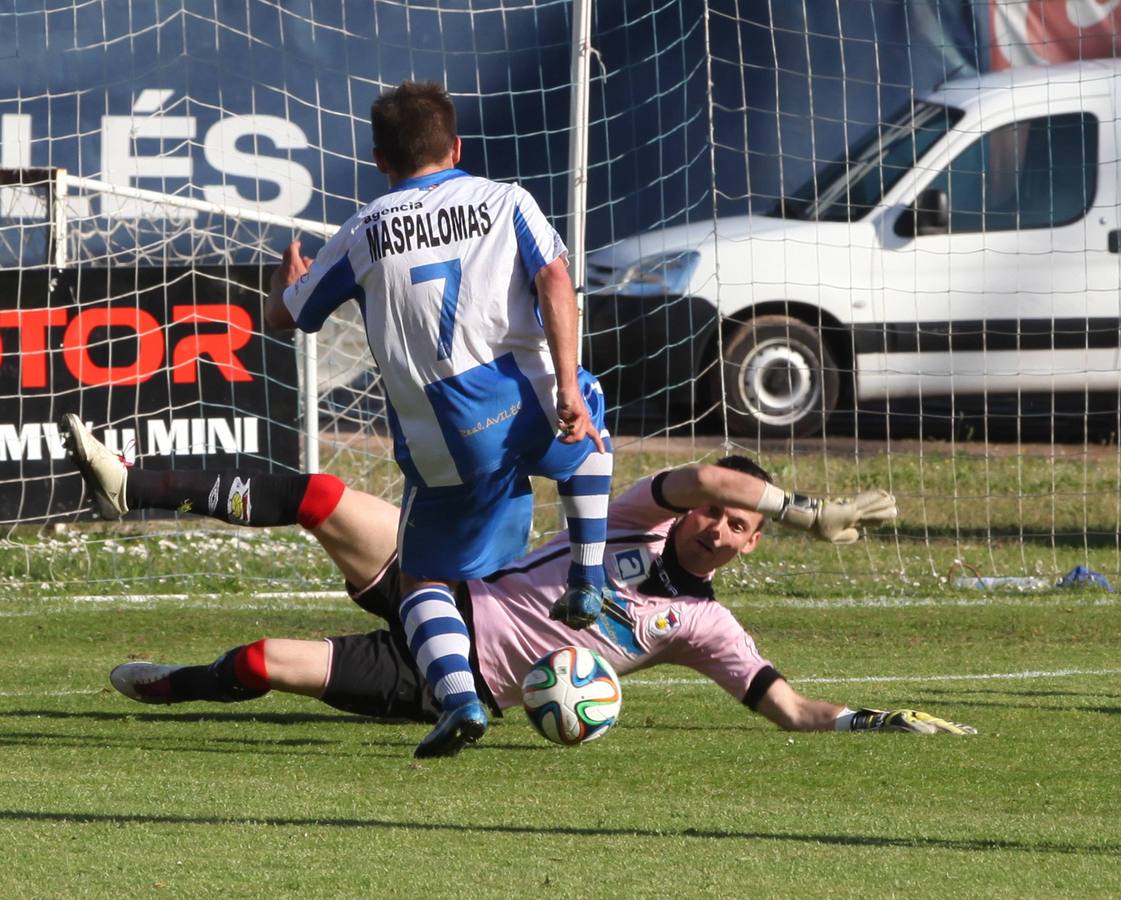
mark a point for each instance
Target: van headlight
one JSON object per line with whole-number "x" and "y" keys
{"x": 666, "y": 273}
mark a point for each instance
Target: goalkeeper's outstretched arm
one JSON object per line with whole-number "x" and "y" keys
{"x": 837, "y": 521}
{"x": 792, "y": 712}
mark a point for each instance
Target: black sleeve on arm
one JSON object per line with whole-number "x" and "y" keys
{"x": 759, "y": 686}
{"x": 660, "y": 498}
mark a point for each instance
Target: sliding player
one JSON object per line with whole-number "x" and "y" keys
{"x": 667, "y": 535}
{"x": 472, "y": 320}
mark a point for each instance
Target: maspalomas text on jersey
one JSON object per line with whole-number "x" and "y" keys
{"x": 400, "y": 229}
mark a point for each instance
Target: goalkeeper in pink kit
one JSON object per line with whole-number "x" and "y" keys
{"x": 667, "y": 535}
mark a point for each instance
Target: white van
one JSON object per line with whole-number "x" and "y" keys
{"x": 969, "y": 247}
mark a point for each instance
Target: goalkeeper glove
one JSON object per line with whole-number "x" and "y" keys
{"x": 837, "y": 521}
{"x": 910, "y": 720}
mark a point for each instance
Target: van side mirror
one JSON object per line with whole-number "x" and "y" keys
{"x": 932, "y": 212}
{"x": 929, "y": 214}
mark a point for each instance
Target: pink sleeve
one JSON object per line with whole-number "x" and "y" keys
{"x": 636, "y": 508}
{"x": 713, "y": 643}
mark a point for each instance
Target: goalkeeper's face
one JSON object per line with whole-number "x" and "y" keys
{"x": 710, "y": 536}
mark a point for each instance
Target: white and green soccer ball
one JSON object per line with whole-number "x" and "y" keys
{"x": 572, "y": 695}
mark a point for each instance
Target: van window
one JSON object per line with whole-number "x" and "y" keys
{"x": 852, "y": 186}
{"x": 1037, "y": 173}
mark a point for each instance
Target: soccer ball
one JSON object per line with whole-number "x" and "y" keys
{"x": 572, "y": 695}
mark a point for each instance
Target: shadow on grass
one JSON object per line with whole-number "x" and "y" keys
{"x": 1035, "y": 707}
{"x": 341, "y": 718}
{"x": 843, "y": 840}
{"x": 205, "y": 744}
{"x": 380, "y": 749}
{"x": 211, "y": 716}
{"x": 1090, "y": 700}
{"x": 212, "y": 744}
{"x": 1019, "y": 692}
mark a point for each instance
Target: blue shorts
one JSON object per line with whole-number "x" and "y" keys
{"x": 473, "y": 529}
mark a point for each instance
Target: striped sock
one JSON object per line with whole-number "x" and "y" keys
{"x": 439, "y": 643}
{"x": 584, "y": 497}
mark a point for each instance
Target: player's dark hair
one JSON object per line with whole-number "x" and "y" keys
{"x": 746, "y": 465}
{"x": 414, "y": 125}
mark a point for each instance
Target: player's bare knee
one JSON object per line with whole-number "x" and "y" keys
{"x": 298, "y": 667}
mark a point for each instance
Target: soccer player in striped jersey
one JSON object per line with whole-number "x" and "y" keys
{"x": 472, "y": 320}
{"x": 667, "y": 535}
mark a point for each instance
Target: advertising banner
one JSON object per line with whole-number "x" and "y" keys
{"x": 1039, "y": 32}
{"x": 173, "y": 369}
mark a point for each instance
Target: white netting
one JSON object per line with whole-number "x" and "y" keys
{"x": 802, "y": 245}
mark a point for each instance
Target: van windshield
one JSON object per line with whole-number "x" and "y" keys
{"x": 849, "y": 188}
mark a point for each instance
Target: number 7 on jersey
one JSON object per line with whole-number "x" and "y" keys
{"x": 451, "y": 272}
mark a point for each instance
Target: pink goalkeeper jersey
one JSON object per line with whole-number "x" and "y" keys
{"x": 513, "y": 628}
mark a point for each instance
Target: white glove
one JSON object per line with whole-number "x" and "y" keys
{"x": 837, "y": 521}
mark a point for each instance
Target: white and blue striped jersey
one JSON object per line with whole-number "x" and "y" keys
{"x": 443, "y": 267}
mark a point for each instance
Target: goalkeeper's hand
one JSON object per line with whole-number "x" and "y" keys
{"x": 910, "y": 720}
{"x": 837, "y": 521}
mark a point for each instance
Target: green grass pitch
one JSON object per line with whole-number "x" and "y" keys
{"x": 690, "y": 795}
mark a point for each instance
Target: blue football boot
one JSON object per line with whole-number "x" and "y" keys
{"x": 455, "y": 729}
{"x": 579, "y": 606}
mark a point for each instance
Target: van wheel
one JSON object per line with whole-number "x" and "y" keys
{"x": 780, "y": 379}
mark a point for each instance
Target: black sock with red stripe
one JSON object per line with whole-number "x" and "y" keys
{"x": 239, "y": 674}
{"x": 237, "y": 497}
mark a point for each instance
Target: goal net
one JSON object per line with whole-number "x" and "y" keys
{"x": 872, "y": 249}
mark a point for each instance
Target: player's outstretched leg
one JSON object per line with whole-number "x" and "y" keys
{"x": 584, "y": 497}
{"x": 145, "y": 682}
{"x": 239, "y": 674}
{"x": 104, "y": 473}
{"x": 240, "y": 497}
{"x": 440, "y": 644}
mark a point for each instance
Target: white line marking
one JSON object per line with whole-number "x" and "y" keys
{"x": 991, "y": 676}
{"x": 240, "y": 607}
{"x": 915, "y": 679}
{"x": 1003, "y": 599}
{"x": 263, "y": 601}
{"x": 150, "y": 598}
